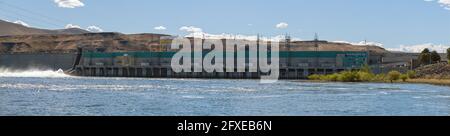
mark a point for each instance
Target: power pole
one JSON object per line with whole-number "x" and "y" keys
{"x": 288, "y": 45}
{"x": 367, "y": 52}
{"x": 316, "y": 49}
{"x": 429, "y": 56}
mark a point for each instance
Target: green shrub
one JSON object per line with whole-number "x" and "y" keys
{"x": 366, "y": 68}
{"x": 393, "y": 75}
{"x": 323, "y": 77}
{"x": 425, "y": 57}
{"x": 365, "y": 76}
{"x": 348, "y": 76}
{"x": 379, "y": 77}
{"x": 314, "y": 77}
{"x": 435, "y": 57}
{"x": 333, "y": 77}
{"x": 404, "y": 77}
{"x": 411, "y": 74}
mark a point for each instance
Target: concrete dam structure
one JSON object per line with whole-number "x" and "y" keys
{"x": 295, "y": 63}
{"x": 157, "y": 64}
{"x": 37, "y": 61}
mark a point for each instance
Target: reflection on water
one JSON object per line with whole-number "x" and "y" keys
{"x": 64, "y": 95}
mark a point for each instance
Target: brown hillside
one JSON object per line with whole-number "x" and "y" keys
{"x": 8, "y": 28}
{"x": 15, "y": 38}
{"x": 111, "y": 42}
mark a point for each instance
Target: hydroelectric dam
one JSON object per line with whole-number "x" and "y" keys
{"x": 297, "y": 60}
{"x": 294, "y": 63}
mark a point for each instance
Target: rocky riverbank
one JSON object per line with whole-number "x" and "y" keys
{"x": 434, "y": 71}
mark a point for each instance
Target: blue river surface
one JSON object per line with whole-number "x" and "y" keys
{"x": 65, "y": 95}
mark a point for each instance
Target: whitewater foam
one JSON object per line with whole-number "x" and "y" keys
{"x": 32, "y": 73}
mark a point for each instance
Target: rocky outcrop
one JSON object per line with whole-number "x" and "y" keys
{"x": 63, "y": 43}
{"x": 434, "y": 71}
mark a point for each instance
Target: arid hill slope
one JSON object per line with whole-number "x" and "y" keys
{"x": 116, "y": 42}
{"x": 63, "y": 43}
{"x": 8, "y": 28}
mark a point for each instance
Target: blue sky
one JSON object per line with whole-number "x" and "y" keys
{"x": 408, "y": 24}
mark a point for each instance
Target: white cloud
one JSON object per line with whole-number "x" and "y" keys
{"x": 21, "y": 23}
{"x": 282, "y": 25}
{"x": 237, "y": 36}
{"x": 69, "y": 3}
{"x": 89, "y": 28}
{"x": 198, "y": 33}
{"x": 191, "y": 29}
{"x": 443, "y": 3}
{"x": 69, "y": 26}
{"x": 362, "y": 43}
{"x": 160, "y": 28}
{"x": 420, "y": 47}
{"x": 94, "y": 29}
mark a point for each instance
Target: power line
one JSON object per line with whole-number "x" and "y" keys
{"x": 27, "y": 15}
{"x": 29, "y": 19}
{"x": 25, "y": 20}
{"x": 10, "y": 11}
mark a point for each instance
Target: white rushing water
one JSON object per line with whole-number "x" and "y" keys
{"x": 32, "y": 73}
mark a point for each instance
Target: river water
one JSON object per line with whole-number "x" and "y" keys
{"x": 52, "y": 93}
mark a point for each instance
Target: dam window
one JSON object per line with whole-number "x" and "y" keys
{"x": 132, "y": 72}
{"x": 283, "y": 72}
{"x": 139, "y": 72}
{"x": 93, "y": 72}
{"x": 115, "y": 72}
{"x": 156, "y": 72}
{"x": 101, "y": 72}
{"x": 148, "y": 72}
{"x": 125, "y": 72}
{"x": 164, "y": 72}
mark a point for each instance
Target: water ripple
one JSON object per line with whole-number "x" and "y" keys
{"x": 135, "y": 96}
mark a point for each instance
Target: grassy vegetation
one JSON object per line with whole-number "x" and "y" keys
{"x": 364, "y": 75}
{"x": 445, "y": 82}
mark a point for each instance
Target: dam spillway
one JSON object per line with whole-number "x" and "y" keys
{"x": 37, "y": 61}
